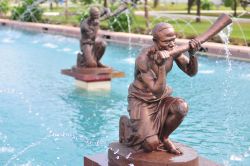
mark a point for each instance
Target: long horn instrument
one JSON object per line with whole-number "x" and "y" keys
{"x": 222, "y": 21}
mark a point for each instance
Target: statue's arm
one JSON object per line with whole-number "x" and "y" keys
{"x": 106, "y": 14}
{"x": 87, "y": 31}
{"x": 156, "y": 84}
{"x": 187, "y": 65}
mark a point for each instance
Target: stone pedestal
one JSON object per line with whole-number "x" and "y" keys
{"x": 92, "y": 79}
{"x": 120, "y": 155}
{"x": 102, "y": 160}
{"x": 93, "y": 86}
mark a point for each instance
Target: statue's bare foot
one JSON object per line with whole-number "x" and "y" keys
{"x": 171, "y": 148}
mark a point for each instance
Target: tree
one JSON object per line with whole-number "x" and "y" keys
{"x": 156, "y": 2}
{"x": 51, "y": 3}
{"x": 105, "y": 4}
{"x": 4, "y": 7}
{"x": 66, "y": 13}
{"x": 244, "y": 3}
{"x": 146, "y": 13}
{"x": 198, "y": 13}
{"x": 206, "y": 4}
{"x": 233, "y": 4}
{"x": 190, "y": 4}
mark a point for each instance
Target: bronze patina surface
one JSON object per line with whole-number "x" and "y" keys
{"x": 153, "y": 112}
{"x": 120, "y": 155}
{"x": 88, "y": 66}
{"x": 92, "y": 48}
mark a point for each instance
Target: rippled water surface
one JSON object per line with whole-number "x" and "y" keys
{"x": 46, "y": 120}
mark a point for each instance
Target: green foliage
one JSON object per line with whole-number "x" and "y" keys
{"x": 122, "y": 22}
{"x": 206, "y": 4}
{"x": 4, "y": 6}
{"x": 27, "y": 11}
{"x": 90, "y": 1}
{"x": 83, "y": 15}
{"x": 228, "y": 3}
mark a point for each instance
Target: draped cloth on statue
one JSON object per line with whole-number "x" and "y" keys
{"x": 148, "y": 114}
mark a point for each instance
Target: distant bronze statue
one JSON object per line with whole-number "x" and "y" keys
{"x": 154, "y": 113}
{"x": 92, "y": 48}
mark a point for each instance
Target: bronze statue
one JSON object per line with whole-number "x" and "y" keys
{"x": 92, "y": 48}
{"x": 154, "y": 113}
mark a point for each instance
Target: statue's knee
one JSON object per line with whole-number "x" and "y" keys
{"x": 91, "y": 64}
{"x": 151, "y": 143}
{"x": 181, "y": 107}
{"x": 100, "y": 43}
{"x": 104, "y": 43}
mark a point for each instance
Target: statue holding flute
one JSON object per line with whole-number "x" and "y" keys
{"x": 154, "y": 113}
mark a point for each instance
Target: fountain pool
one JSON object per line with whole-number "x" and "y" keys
{"x": 46, "y": 120}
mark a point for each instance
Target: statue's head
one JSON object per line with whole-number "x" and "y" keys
{"x": 94, "y": 12}
{"x": 164, "y": 36}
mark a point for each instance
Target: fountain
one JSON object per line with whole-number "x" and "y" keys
{"x": 76, "y": 103}
{"x": 154, "y": 114}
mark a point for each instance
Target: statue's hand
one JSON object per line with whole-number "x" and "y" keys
{"x": 160, "y": 57}
{"x": 194, "y": 45}
{"x": 106, "y": 11}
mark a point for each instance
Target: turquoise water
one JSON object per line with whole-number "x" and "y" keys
{"x": 46, "y": 120}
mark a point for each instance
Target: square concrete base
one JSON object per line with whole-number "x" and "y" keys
{"x": 94, "y": 86}
{"x": 102, "y": 160}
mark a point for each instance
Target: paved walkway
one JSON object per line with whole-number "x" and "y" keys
{"x": 172, "y": 14}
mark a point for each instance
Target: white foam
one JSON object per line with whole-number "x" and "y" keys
{"x": 130, "y": 60}
{"x": 76, "y": 52}
{"x": 236, "y": 158}
{"x": 29, "y": 163}
{"x": 116, "y": 151}
{"x": 245, "y": 76}
{"x": 206, "y": 72}
{"x": 128, "y": 155}
{"x": 50, "y": 45}
{"x": 8, "y": 40}
{"x": 66, "y": 49}
{"x": 5, "y": 149}
{"x": 35, "y": 41}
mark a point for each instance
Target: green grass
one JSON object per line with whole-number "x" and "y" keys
{"x": 186, "y": 29}
{"x": 72, "y": 20}
{"x": 183, "y": 7}
{"x": 189, "y": 29}
{"x": 203, "y": 13}
{"x": 165, "y": 6}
